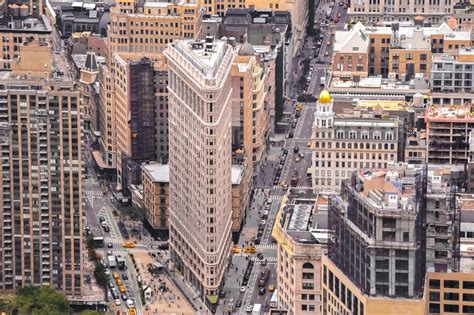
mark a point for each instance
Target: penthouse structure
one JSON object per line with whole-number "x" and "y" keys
{"x": 447, "y": 134}
{"x": 453, "y": 72}
{"x": 200, "y": 162}
{"x": 41, "y": 170}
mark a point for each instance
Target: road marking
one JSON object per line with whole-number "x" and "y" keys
{"x": 268, "y": 259}
{"x": 267, "y": 246}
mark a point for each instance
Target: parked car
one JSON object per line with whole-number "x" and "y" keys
{"x": 262, "y": 291}
{"x": 242, "y": 289}
{"x": 249, "y": 308}
{"x": 291, "y": 134}
{"x": 238, "y": 303}
{"x": 296, "y": 149}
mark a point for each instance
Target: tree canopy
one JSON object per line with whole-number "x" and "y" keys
{"x": 39, "y": 301}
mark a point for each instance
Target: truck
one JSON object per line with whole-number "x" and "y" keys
{"x": 257, "y": 308}
{"x": 120, "y": 262}
{"x": 263, "y": 277}
{"x": 111, "y": 260}
{"x": 322, "y": 81}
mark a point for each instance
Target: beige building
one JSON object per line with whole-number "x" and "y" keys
{"x": 155, "y": 181}
{"x": 200, "y": 162}
{"x": 135, "y": 32}
{"x": 299, "y": 254}
{"x": 41, "y": 190}
{"x": 399, "y": 10}
{"x": 344, "y": 143}
{"x": 241, "y": 189}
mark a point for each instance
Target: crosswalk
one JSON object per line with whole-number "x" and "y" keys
{"x": 94, "y": 193}
{"x": 112, "y": 240}
{"x": 116, "y": 252}
{"x": 275, "y": 198}
{"x": 270, "y": 260}
{"x": 266, "y": 246}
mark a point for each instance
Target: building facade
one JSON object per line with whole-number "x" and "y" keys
{"x": 343, "y": 144}
{"x": 200, "y": 162}
{"x": 453, "y": 72}
{"x": 41, "y": 191}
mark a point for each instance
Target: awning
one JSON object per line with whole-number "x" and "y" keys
{"x": 212, "y": 299}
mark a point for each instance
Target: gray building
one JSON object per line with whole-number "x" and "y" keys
{"x": 453, "y": 73}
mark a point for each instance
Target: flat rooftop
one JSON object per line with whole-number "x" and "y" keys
{"x": 450, "y": 113}
{"x": 237, "y": 173}
{"x": 27, "y": 25}
{"x": 159, "y": 173}
{"x": 205, "y": 56}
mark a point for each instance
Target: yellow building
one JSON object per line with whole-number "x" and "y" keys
{"x": 341, "y": 296}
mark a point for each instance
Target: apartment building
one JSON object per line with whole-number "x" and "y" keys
{"x": 242, "y": 172}
{"x": 200, "y": 162}
{"x": 41, "y": 132}
{"x": 155, "y": 181}
{"x": 398, "y": 10}
{"x": 347, "y": 142}
{"x": 87, "y": 78}
{"x": 139, "y": 30}
{"x": 447, "y": 134}
{"x": 415, "y": 147}
{"x": 453, "y": 72}
{"x": 399, "y": 50}
{"x": 301, "y": 241}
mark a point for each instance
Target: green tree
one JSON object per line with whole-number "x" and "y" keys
{"x": 40, "y": 301}
{"x": 90, "y": 312}
{"x": 101, "y": 278}
{"x": 90, "y": 244}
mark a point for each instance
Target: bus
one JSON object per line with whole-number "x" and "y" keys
{"x": 274, "y": 300}
{"x": 263, "y": 277}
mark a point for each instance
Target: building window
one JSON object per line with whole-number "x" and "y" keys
{"x": 434, "y": 308}
{"x": 451, "y": 308}
{"x": 308, "y": 265}
{"x": 308, "y": 286}
{"x": 451, "y": 296}
{"x": 352, "y": 134}
{"x": 452, "y": 284}
{"x": 308, "y": 275}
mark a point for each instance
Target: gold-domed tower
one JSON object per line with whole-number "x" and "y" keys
{"x": 324, "y": 115}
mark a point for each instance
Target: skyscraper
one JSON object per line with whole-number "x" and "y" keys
{"x": 200, "y": 161}
{"x": 41, "y": 170}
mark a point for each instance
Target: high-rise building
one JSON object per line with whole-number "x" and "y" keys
{"x": 41, "y": 170}
{"x": 379, "y": 236}
{"x": 200, "y": 161}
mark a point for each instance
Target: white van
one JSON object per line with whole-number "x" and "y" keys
{"x": 323, "y": 81}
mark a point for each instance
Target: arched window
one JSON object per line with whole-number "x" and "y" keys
{"x": 308, "y": 265}
{"x": 380, "y": 146}
{"x": 392, "y": 146}
{"x": 367, "y": 146}
{"x": 355, "y": 145}
{"x": 337, "y": 145}
{"x": 386, "y": 146}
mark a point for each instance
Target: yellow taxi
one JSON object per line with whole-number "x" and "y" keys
{"x": 299, "y": 106}
{"x": 122, "y": 289}
{"x": 131, "y": 311}
{"x": 119, "y": 282}
{"x": 271, "y": 288}
{"x": 115, "y": 275}
{"x": 250, "y": 249}
{"x": 282, "y": 183}
{"x": 235, "y": 249}
{"x": 128, "y": 245}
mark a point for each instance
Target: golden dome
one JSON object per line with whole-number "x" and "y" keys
{"x": 324, "y": 97}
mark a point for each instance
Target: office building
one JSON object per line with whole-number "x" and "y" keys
{"x": 379, "y": 238}
{"x": 200, "y": 162}
{"x": 301, "y": 236}
{"x": 399, "y": 10}
{"x": 137, "y": 31}
{"x": 242, "y": 172}
{"x": 344, "y": 143}
{"x": 447, "y": 134}
{"x": 41, "y": 132}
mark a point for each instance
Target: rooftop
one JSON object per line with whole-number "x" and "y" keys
{"x": 159, "y": 173}
{"x": 461, "y": 113}
{"x": 237, "y": 173}
{"x": 8, "y": 24}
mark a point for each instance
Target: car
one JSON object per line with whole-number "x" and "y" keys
{"x": 297, "y": 114}
{"x": 131, "y": 311}
{"x": 103, "y": 263}
{"x": 260, "y": 256}
{"x": 101, "y": 219}
{"x": 257, "y": 241}
{"x": 291, "y": 134}
{"x": 124, "y": 297}
{"x": 297, "y": 158}
{"x": 124, "y": 276}
{"x": 249, "y": 308}
{"x": 111, "y": 285}
{"x": 106, "y": 228}
{"x": 275, "y": 182}
{"x": 266, "y": 212}
{"x": 115, "y": 275}
{"x": 128, "y": 245}
{"x": 222, "y": 294}
{"x": 110, "y": 245}
{"x": 117, "y": 302}
{"x": 130, "y": 303}
{"x": 107, "y": 271}
{"x": 264, "y": 262}
{"x": 263, "y": 222}
{"x": 238, "y": 303}
{"x": 260, "y": 233}
{"x": 285, "y": 152}
{"x": 296, "y": 149}
{"x": 271, "y": 288}
{"x": 293, "y": 125}
{"x": 115, "y": 295}
{"x": 262, "y": 291}
{"x": 119, "y": 282}
{"x": 326, "y": 53}
{"x": 302, "y": 155}
{"x": 242, "y": 289}
{"x": 245, "y": 281}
